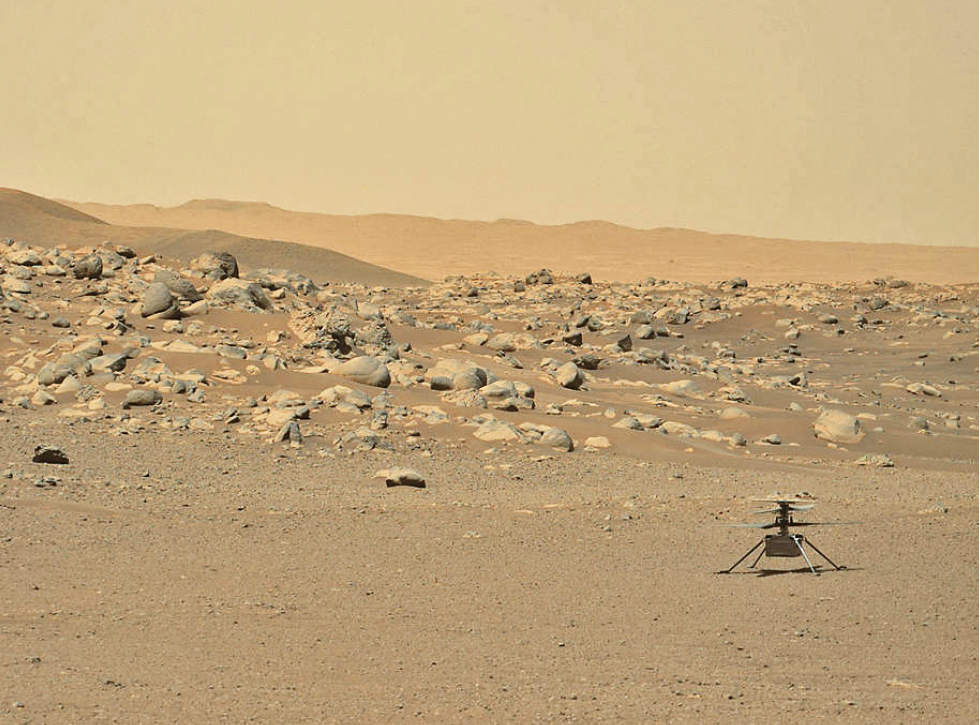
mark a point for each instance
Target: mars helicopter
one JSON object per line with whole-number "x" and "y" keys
{"x": 784, "y": 544}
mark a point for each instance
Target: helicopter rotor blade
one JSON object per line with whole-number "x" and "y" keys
{"x": 766, "y": 511}
{"x": 824, "y": 523}
{"x": 770, "y": 525}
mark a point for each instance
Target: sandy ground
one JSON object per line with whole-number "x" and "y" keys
{"x": 170, "y": 578}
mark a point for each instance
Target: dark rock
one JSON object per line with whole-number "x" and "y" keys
{"x": 49, "y": 454}
{"x": 88, "y": 267}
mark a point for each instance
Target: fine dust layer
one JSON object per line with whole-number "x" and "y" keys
{"x": 176, "y": 577}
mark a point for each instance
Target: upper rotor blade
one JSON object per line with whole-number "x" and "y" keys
{"x": 801, "y": 507}
{"x": 766, "y": 511}
{"x": 825, "y": 523}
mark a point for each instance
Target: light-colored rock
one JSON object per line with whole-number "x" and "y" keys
{"x": 401, "y": 477}
{"x": 239, "y": 293}
{"x": 569, "y": 376}
{"x": 158, "y": 302}
{"x": 365, "y": 370}
{"x": 837, "y": 426}
{"x": 495, "y": 430}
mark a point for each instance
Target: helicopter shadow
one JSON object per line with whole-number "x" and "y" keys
{"x": 760, "y": 573}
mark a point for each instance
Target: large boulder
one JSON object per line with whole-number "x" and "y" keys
{"x": 142, "y": 396}
{"x": 158, "y": 302}
{"x": 247, "y": 296}
{"x": 837, "y": 426}
{"x": 53, "y": 373}
{"x": 178, "y": 285}
{"x": 557, "y": 438}
{"x": 217, "y": 265}
{"x": 366, "y": 371}
{"x": 88, "y": 267}
{"x": 569, "y": 376}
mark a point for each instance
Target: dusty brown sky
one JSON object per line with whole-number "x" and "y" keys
{"x": 809, "y": 119}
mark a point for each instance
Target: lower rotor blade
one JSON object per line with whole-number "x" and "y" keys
{"x": 753, "y": 526}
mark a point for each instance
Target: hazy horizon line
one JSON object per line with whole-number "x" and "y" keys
{"x": 517, "y": 220}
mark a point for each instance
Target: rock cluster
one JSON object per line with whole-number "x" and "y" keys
{"x": 101, "y": 335}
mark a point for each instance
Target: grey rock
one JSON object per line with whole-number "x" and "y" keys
{"x": 247, "y": 296}
{"x": 53, "y": 373}
{"x": 217, "y": 265}
{"x": 569, "y": 376}
{"x": 542, "y": 276}
{"x": 289, "y": 432}
{"x": 88, "y": 267}
{"x": 557, "y": 438}
{"x": 142, "y": 396}
{"x": 158, "y": 301}
{"x": 178, "y": 285}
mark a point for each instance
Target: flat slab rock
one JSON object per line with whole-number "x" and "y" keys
{"x": 401, "y": 477}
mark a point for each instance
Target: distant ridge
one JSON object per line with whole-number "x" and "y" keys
{"x": 37, "y": 220}
{"x": 432, "y": 248}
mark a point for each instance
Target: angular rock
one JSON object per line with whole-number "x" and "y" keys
{"x": 88, "y": 267}
{"x": 244, "y": 295}
{"x": 289, "y": 432}
{"x": 178, "y": 285}
{"x": 217, "y": 265}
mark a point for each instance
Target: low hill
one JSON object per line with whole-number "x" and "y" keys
{"x": 432, "y": 248}
{"x": 41, "y": 221}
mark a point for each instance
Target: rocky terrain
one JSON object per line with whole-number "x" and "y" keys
{"x": 517, "y": 479}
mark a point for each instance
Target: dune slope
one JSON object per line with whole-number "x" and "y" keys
{"x": 36, "y": 220}
{"x": 432, "y": 248}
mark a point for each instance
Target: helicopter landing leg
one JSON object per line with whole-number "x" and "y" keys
{"x": 753, "y": 564}
{"x": 838, "y": 568}
{"x": 729, "y": 570}
{"x": 805, "y": 557}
